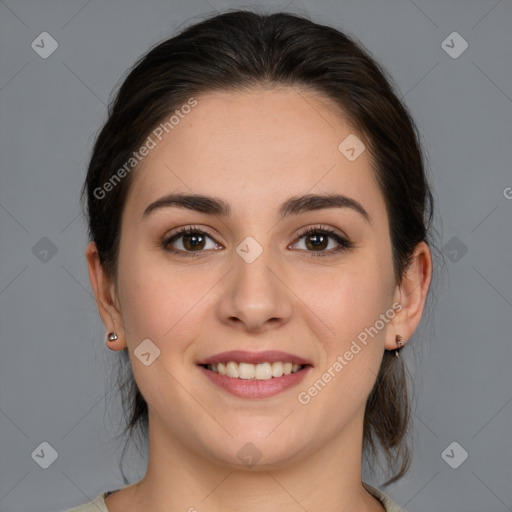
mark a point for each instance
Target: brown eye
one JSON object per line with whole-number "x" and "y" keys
{"x": 193, "y": 241}
{"x": 189, "y": 240}
{"x": 318, "y": 240}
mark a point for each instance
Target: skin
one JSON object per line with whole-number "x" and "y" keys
{"x": 254, "y": 150}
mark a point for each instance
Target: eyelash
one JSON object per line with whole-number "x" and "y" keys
{"x": 343, "y": 243}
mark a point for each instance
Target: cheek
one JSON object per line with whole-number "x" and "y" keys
{"x": 347, "y": 299}
{"x": 161, "y": 306}
{"x": 160, "y": 301}
{"x": 353, "y": 345}
{"x": 351, "y": 305}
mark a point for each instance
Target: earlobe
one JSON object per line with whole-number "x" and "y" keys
{"x": 411, "y": 293}
{"x": 104, "y": 292}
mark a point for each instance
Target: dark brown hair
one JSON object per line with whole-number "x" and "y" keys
{"x": 241, "y": 50}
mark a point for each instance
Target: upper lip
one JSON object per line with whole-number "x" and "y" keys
{"x": 242, "y": 356}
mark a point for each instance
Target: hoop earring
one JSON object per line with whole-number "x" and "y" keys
{"x": 112, "y": 336}
{"x": 399, "y": 343}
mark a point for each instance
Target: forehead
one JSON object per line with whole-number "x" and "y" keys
{"x": 280, "y": 142}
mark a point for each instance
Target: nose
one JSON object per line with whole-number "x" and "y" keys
{"x": 254, "y": 296}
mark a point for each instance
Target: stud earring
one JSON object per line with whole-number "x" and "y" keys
{"x": 112, "y": 336}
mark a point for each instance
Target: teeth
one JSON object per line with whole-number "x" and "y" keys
{"x": 277, "y": 369}
{"x": 231, "y": 369}
{"x": 247, "y": 371}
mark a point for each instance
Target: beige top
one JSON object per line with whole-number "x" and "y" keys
{"x": 98, "y": 504}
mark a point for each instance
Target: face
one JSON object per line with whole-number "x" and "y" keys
{"x": 250, "y": 279}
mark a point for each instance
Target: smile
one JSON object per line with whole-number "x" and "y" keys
{"x": 263, "y": 380}
{"x": 247, "y": 371}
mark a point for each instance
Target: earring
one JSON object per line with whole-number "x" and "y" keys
{"x": 399, "y": 343}
{"x": 112, "y": 336}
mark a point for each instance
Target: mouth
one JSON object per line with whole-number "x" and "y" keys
{"x": 248, "y": 371}
{"x": 255, "y": 375}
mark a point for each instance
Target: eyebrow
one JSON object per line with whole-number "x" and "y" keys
{"x": 292, "y": 206}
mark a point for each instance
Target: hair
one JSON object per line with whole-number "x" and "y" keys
{"x": 240, "y": 51}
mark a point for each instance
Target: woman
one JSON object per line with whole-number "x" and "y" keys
{"x": 258, "y": 214}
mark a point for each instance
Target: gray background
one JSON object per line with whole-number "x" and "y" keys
{"x": 54, "y": 365}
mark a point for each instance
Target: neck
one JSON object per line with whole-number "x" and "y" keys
{"x": 328, "y": 478}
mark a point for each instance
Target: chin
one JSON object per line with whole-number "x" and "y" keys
{"x": 260, "y": 452}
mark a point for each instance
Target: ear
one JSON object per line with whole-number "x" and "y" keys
{"x": 411, "y": 293}
{"x": 104, "y": 290}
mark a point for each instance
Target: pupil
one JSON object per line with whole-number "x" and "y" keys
{"x": 320, "y": 241}
{"x": 194, "y": 241}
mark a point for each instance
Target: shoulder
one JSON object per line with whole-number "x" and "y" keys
{"x": 388, "y": 503}
{"x": 96, "y": 505}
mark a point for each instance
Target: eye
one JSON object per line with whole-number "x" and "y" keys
{"x": 316, "y": 240}
{"x": 189, "y": 240}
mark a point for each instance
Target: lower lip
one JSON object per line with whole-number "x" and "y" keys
{"x": 245, "y": 388}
